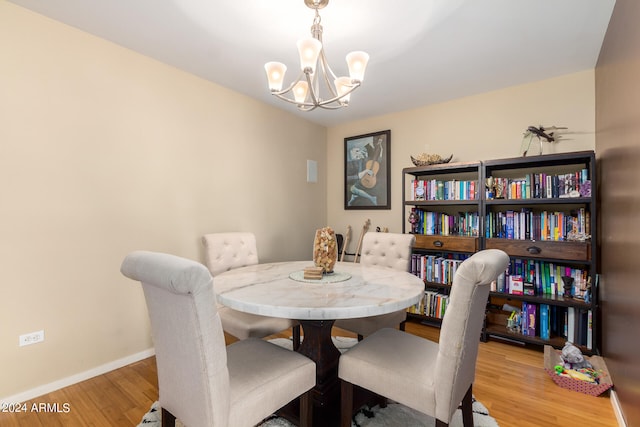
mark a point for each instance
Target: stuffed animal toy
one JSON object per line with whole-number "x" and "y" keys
{"x": 573, "y": 358}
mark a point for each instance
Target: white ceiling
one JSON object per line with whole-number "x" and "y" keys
{"x": 422, "y": 51}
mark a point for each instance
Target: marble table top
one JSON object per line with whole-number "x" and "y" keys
{"x": 268, "y": 290}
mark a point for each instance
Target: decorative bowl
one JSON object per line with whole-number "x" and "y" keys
{"x": 430, "y": 159}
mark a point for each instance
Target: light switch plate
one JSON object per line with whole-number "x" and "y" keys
{"x": 312, "y": 171}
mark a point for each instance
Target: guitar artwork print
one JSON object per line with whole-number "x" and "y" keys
{"x": 367, "y": 158}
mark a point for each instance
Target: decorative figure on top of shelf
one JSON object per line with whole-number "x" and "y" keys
{"x": 568, "y": 286}
{"x": 539, "y": 132}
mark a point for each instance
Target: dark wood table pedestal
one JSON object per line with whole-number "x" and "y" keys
{"x": 318, "y": 346}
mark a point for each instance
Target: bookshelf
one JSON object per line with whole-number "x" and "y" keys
{"x": 444, "y": 202}
{"x": 539, "y": 211}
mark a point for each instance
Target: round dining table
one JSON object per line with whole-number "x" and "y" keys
{"x": 352, "y": 290}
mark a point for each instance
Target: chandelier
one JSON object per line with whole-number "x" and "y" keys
{"x": 317, "y": 85}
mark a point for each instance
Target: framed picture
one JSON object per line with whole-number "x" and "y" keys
{"x": 367, "y": 177}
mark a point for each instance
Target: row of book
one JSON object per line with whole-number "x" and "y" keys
{"x": 432, "y": 304}
{"x": 532, "y": 277}
{"x": 434, "y": 189}
{"x": 518, "y": 225}
{"x": 546, "y": 321}
{"x": 528, "y": 225}
{"x": 436, "y": 268}
{"x": 442, "y": 224}
{"x": 540, "y": 186}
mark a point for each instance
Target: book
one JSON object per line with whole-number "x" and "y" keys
{"x": 532, "y": 324}
{"x": 571, "y": 324}
{"x": 516, "y": 287}
{"x": 589, "y": 329}
{"x": 545, "y": 326}
{"x": 420, "y": 190}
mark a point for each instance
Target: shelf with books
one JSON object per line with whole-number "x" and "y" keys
{"x": 442, "y": 207}
{"x": 542, "y": 324}
{"x": 541, "y": 211}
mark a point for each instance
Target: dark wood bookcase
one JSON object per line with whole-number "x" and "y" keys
{"x": 450, "y": 205}
{"x": 525, "y": 206}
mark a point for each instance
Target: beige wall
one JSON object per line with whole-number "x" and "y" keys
{"x": 104, "y": 151}
{"x": 618, "y": 151}
{"x": 481, "y": 127}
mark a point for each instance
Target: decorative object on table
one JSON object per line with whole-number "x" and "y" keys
{"x": 313, "y": 273}
{"x": 567, "y": 282}
{"x": 335, "y": 277}
{"x": 424, "y": 159}
{"x": 365, "y": 228}
{"x": 325, "y": 249}
{"x": 367, "y": 171}
{"x": 539, "y": 132}
{"x": 347, "y": 239}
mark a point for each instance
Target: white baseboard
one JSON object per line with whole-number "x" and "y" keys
{"x": 73, "y": 379}
{"x": 617, "y": 409}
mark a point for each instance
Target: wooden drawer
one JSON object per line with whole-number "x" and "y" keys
{"x": 579, "y": 251}
{"x": 447, "y": 243}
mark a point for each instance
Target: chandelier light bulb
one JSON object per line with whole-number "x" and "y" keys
{"x": 275, "y": 75}
{"x": 357, "y": 62}
{"x": 309, "y": 49}
{"x": 300, "y": 91}
{"x": 343, "y": 87}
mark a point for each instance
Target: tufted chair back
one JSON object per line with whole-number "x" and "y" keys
{"x": 225, "y": 251}
{"x": 187, "y": 335}
{"x": 391, "y": 250}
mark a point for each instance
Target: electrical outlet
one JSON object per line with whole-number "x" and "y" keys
{"x": 32, "y": 338}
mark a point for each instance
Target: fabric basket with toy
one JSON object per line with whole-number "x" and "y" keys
{"x": 569, "y": 369}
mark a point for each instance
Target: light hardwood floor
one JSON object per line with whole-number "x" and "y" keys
{"x": 510, "y": 382}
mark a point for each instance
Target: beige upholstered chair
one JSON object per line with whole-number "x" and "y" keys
{"x": 433, "y": 378}
{"x": 389, "y": 250}
{"x": 202, "y": 382}
{"x": 224, "y": 251}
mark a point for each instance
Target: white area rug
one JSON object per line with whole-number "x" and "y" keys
{"x": 394, "y": 415}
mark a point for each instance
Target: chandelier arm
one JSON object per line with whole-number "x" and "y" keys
{"x": 284, "y": 98}
{"x": 290, "y": 87}
{"x": 337, "y": 98}
{"x": 313, "y": 83}
{"x": 326, "y": 72}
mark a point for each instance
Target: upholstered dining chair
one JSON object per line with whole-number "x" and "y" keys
{"x": 433, "y": 378}
{"x": 389, "y": 250}
{"x": 202, "y": 382}
{"x": 224, "y": 251}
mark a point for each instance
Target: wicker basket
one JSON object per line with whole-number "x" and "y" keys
{"x": 553, "y": 357}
